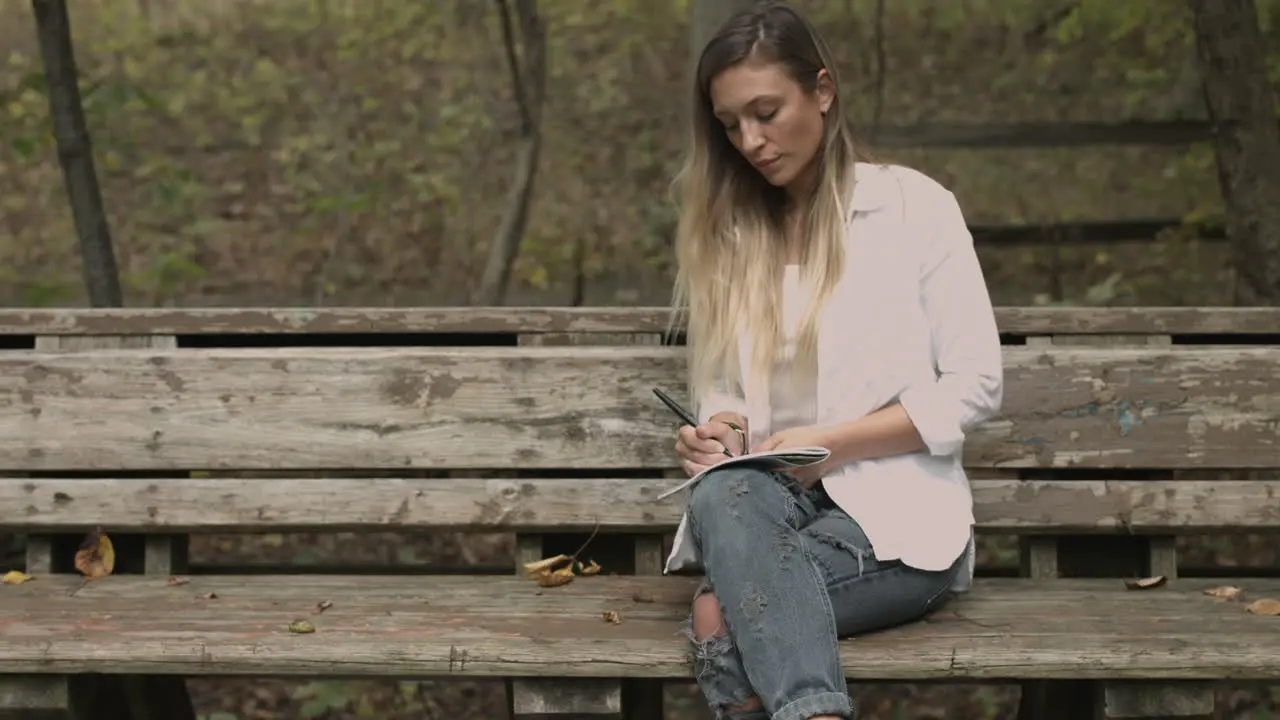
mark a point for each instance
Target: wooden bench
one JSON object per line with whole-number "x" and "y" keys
{"x": 1121, "y": 429}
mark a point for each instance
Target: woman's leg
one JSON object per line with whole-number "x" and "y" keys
{"x": 779, "y": 656}
{"x": 866, "y": 594}
{"x": 786, "y": 661}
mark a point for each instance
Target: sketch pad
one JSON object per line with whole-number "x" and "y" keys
{"x": 771, "y": 460}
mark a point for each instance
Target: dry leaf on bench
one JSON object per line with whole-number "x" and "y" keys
{"x": 209, "y": 596}
{"x": 322, "y": 606}
{"x": 177, "y": 581}
{"x": 612, "y": 617}
{"x": 534, "y": 569}
{"x": 1265, "y": 606}
{"x": 1224, "y": 592}
{"x": 96, "y": 557}
{"x": 14, "y": 577}
{"x": 563, "y": 576}
{"x": 590, "y": 568}
{"x": 1145, "y": 583}
{"x": 301, "y": 627}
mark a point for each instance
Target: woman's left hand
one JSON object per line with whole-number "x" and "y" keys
{"x": 803, "y": 436}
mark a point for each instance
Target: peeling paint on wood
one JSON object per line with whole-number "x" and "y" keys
{"x": 547, "y": 407}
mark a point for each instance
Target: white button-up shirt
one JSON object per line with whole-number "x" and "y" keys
{"x": 910, "y": 322}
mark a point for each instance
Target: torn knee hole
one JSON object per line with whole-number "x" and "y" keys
{"x": 707, "y": 621}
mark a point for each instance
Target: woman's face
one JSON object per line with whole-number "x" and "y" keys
{"x": 771, "y": 120}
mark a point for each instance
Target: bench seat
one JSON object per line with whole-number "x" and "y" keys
{"x": 508, "y": 626}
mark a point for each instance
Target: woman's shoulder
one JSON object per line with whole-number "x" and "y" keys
{"x": 880, "y": 184}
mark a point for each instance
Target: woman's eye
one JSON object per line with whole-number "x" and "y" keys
{"x": 767, "y": 117}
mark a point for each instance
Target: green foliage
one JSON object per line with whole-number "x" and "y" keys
{"x": 366, "y": 148}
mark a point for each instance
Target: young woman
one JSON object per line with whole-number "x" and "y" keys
{"x": 830, "y": 302}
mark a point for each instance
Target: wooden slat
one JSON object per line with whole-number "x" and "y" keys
{"x": 579, "y": 504}
{"x": 506, "y": 626}
{"x": 576, "y": 407}
{"x": 525, "y": 320}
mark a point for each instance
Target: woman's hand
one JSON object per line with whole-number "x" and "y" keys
{"x": 803, "y": 436}
{"x": 703, "y": 446}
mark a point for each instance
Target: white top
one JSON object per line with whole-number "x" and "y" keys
{"x": 909, "y": 322}
{"x": 794, "y": 402}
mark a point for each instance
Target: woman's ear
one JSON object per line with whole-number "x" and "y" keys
{"x": 826, "y": 91}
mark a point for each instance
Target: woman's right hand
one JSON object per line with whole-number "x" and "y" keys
{"x": 703, "y": 446}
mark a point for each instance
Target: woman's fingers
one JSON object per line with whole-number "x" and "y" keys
{"x": 691, "y": 468}
{"x": 689, "y": 438}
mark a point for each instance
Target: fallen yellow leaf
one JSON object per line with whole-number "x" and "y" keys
{"x": 96, "y": 557}
{"x": 301, "y": 627}
{"x": 534, "y": 569}
{"x": 590, "y": 569}
{"x": 612, "y": 617}
{"x": 1225, "y": 592}
{"x": 1265, "y": 606}
{"x": 14, "y": 577}
{"x": 563, "y": 576}
{"x": 1145, "y": 583}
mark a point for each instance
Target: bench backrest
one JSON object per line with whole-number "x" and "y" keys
{"x": 406, "y": 400}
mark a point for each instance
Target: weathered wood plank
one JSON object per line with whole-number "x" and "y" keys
{"x": 257, "y": 321}
{"x": 505, "y": 626}
{"x": 576, "y": 407}
{"x": 578, "y": 505}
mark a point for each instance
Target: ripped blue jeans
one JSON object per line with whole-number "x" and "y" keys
{"x": 791, "y": 573}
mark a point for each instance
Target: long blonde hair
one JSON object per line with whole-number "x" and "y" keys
{"x": 729, "y": 240}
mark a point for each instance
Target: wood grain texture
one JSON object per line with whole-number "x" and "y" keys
{"x": 505, "y": 626}
{"x": 546, "y": 407}
{"x": 578, "y": 504}
{"x": 199, "y": 321}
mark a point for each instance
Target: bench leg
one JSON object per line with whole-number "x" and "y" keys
{"x": 1059, "y": 700}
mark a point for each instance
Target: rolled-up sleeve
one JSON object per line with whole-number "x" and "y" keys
{"x": 965, "y": 341}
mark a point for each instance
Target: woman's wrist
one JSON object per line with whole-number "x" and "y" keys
{"x": 739, "y": 425}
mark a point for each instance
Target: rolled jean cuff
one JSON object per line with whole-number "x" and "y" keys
{"x": 827, "y": 703}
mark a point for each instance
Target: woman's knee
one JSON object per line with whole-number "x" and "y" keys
{"x": 724, "y": 493}
{"x": 707, "y": 619}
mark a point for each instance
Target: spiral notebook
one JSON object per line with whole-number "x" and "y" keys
{"x": 768, "y": 460}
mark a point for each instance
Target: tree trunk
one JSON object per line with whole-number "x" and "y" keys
{"x": 528, "y": 81}
{"x": 1242, "y": 108}
{"x": 75, "y": 154}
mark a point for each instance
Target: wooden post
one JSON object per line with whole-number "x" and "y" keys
{"x": 596, "y": 698}
{"x": 146, "y": 696}
{"x": 1119, "y": 556}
